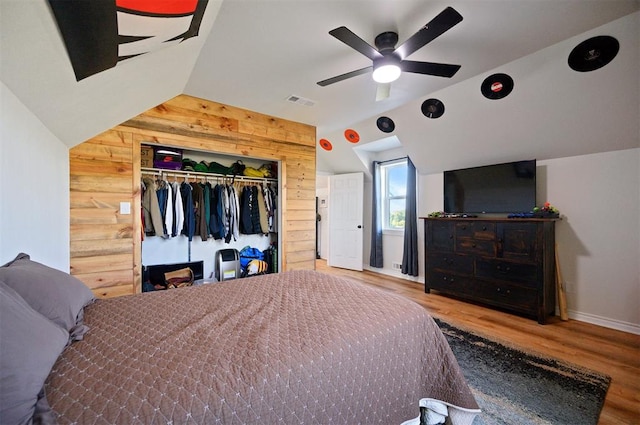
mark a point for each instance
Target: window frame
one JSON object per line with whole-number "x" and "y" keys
{"x": 385, "y": 199}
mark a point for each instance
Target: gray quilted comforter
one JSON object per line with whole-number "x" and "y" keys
{"x": 298, "y": 347}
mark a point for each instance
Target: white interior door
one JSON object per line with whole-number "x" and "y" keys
{"x": 346, "y": 194}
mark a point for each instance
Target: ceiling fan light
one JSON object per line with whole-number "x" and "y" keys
{"x": 386, "y": 73}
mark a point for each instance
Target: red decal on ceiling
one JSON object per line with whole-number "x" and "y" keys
{"x": 351, "y": 135}
{"x": 163, "y": 7}
{"x": 325, "y": 144}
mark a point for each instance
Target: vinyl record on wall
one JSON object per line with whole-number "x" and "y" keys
{"x": 497, "y": 86}
{"x": 352, "y": 136}
{"x": 593, "y": 53}
{"x": 385, "y": 124}
{"x": 432, "y": 108}
{"x": 325, "y": 144}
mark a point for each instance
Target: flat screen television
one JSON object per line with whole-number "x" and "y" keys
{"x": 508, "y": 188}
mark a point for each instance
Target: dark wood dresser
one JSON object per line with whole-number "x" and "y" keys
{"x": 505, "y": 263}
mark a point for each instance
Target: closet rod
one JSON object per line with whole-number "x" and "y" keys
{"x": 181, "y": 173}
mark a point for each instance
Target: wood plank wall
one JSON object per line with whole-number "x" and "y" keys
{"x": 105, "y": 170}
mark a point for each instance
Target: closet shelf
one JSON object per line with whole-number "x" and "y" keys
{"x": 187, "y": 174}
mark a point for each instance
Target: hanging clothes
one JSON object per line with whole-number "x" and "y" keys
{"x": 189, "y": 227}
{"x": 165, "y": 202}
{"x": 227, "y": 216}
{"x": 236, "y": 214}
{"x": 178, "y": 211}
{"x": 262, "y": 210}
{"x": 255, "y": 211}
{"x": 201, "y": 227}
{"x": 151, "y": 209}
{"x": 206, "y": 196}
{"x": 271, "y": 202}
{"x": 246, "y": 225}
{"x": 232, "y": 211}
{"x": 217, "y": 216}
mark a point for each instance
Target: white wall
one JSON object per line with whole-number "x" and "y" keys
{"x": 34, "y": 187}
{"x": 598, "y": 238}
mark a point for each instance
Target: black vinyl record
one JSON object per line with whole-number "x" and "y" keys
{"x": 385, "y": 124}
{"x": 432, "y": 108}
{"x": 593, "y": 53}
{"x": 497, "y": 86}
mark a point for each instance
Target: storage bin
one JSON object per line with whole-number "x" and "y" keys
{"x": 167, "y": 158}
{"x": 146, "y": 156}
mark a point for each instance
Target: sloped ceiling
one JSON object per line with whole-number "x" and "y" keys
{"x": 254, "y": 54}
{"x": 35, "y": 66}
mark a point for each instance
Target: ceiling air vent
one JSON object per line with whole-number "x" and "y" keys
{"x": 300, "y": 100}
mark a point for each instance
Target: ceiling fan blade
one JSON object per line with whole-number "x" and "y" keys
{"x": 438, "y": 25}
{"x": 345, "y": 35}
{"x": 430, "y": 68}
{"x": 383, "y": 90}
{"x": 344, "y": 76}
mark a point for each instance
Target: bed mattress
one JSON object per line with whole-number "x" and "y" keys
{"x": 298, "y": 347}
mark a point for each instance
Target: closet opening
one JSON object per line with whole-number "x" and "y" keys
{"x": 197, "y": 203}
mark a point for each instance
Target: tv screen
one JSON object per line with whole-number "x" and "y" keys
{"x": 501, "y": 188}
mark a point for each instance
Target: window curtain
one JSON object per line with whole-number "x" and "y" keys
{"x": 375, "y": 259}
{"x": 410, "y": 254}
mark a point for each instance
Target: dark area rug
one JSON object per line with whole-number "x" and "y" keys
{"x": 517, "y": 388}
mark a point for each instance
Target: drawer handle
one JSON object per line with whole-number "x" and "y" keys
{"x": 473, "y": 245}
{"x": 506, "y": 269}
{"x": 484, "y": 227}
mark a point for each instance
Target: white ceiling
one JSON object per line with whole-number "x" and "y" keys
{"x": 254, "y": 54}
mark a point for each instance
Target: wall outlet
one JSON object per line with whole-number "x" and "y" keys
{"x": 568, "y": 288}
{"x": 396, "y": 266}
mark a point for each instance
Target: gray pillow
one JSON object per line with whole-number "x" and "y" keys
{"x": 55, "y": 294}
{"x": 31, "y": 344}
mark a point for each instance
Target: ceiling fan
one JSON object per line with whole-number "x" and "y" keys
{"x": 389, "y": 61}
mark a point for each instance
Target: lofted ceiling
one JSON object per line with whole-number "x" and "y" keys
{"x": 255, "y": 54}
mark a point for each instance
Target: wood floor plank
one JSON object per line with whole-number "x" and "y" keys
{"x": 605, "y": 350}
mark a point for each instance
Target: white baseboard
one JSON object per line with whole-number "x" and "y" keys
{"x": 605, "y": 322}
{"x": 394, "y": 273}
{"x": 575, "y": 315}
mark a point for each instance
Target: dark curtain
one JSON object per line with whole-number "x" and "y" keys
{"x": 410, "y": 254}
{"x": 375, "y": 260}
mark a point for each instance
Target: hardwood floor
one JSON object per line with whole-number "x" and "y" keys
{"x": 612, "y": 352}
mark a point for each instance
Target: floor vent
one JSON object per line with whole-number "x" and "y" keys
{"x": 300, "y": 100}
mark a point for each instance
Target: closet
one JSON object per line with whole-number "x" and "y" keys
{"x": 105, "y": 174}
{"x": 197, "y": 203}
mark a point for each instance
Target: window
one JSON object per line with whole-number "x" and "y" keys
{"x": 393, "y": 187}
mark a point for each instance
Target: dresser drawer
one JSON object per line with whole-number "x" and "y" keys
{"x": 461, "y": 286}
{"x": 439, "y": 236}
{"x": 504, "y": 270}
{"x": 506, "y": 295}
{"x": 486, "y": 248}
{"x": 452, "y": 263}
{"x": 476, "y": 230}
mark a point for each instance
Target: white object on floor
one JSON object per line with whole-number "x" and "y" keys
{"x": 437, "y": 412}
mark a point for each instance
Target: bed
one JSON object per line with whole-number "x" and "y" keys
{"x": 292, "y": 348}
